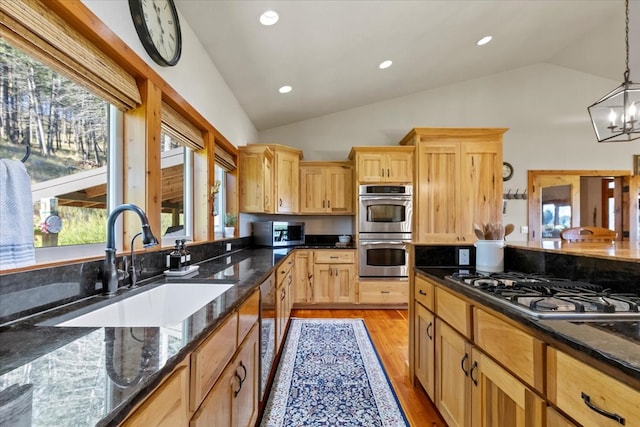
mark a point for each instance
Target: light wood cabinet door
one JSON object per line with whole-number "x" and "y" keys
{"x": 383, "y": 164}
{"x": 322, "y": 283}
{"x": 233, "y": 401}
{"x": 339, "y": 187}
{"x": 255, "y": 173}
{"x": 168, "y": 406}
{"x": 303, "y": 288}
{"x": 287, "y": 181}
{"x": 326, "y": 188}
{"x": 371, "y": 168}
{"x": 312, "y": 190}
{"x": 437, "y": 194}
{"x": 481, "y": 185}
{"x": 399, "y": 167}
{"x": 458, "y": 181}
{"x": 499, "y": 399}
{"x": 453, "y": 387}
{"x": 246, "y": 363}
{"x": 425, "y": 356}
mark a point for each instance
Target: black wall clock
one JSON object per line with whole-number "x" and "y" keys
{"x": 157, "y": 25}
{"x": 507, "y": 171}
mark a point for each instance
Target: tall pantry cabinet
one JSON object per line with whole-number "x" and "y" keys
{"x": 458, "y": 181}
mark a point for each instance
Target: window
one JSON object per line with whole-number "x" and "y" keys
{"x": 224, "y": 165}
{"x": 69, "y": 134}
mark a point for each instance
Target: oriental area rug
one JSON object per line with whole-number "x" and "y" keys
{"x": 330, "y": 375}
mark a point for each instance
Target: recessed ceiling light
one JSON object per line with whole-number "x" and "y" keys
{"x": 285, "y": 89}
{"x": 484, "y": 40}
{"x": 269, "y": 18}
{"x": 385, "y": 64}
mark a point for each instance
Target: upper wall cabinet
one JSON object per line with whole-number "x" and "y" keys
{"x": 458, "y": 181}
{"x": 255, "y": 170}
{"x": 383, "y": 164}
{"x": 269, "y": 178}
{"x": 326, "y": 188}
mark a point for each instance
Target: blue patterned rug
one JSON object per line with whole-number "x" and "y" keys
{"x": 330, "y": 375}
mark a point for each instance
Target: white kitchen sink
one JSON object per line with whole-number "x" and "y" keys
{"x": 165, "y": 305}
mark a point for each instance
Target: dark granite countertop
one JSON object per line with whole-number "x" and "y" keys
{"x": 615, "y": 344}
{"x": 89, "y": 376}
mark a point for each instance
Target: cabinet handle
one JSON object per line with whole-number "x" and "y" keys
{"x": 337, "y": 271}
{"x": 329, "y": 204}
{"x": 236, "y": 392}
{"x": 382, "y": 174}
{"x": 464, "y": 239}
{"x": 280, "y": 202}
{"x": 388, "y": 174}
{"x": 464, "y": 359}
{"x": 244, "y": 369}
{"x": 384, "y": 292}
{"x": 334, "y": 257}
{"x": 284, "y": 295}
{"x": 587, "y": 401}
{"x": 422, "y": 292}
{"x": 473, "y": 368}
{"x": 429, "y": 326}
{"x": 323, "y": 203}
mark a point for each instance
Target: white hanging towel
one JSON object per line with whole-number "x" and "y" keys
{"x": 16, "y": 216}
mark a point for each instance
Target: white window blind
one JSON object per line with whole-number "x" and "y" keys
{"x": 31, "y": 26}
{"x": 180, "y": 129}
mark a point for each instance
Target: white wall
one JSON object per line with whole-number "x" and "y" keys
{"x": 544, "y": 106}
{"x": 195, "y": 77}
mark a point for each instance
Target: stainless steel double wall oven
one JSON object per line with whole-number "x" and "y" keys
{"x": 384, "y": 227}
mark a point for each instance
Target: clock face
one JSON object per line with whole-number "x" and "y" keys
{"x": 157, "y": 24}
{"x": 54, "y": 224}
{"x": 507, "y": 171}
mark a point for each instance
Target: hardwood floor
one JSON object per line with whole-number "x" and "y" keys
{"x": 389, "y": 330}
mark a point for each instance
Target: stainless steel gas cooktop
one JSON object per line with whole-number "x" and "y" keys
{"x": 546, "y": 297}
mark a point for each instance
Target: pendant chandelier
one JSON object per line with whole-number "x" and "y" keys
{"x": 615, "y": 116}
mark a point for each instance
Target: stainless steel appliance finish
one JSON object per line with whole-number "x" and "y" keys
{"x": 385, "y": 208}
{"x": 384, "y": 257}
{"x": 268, "y": 330}
{"x": 278, "y": 233}
{"x": 545, "y": 297}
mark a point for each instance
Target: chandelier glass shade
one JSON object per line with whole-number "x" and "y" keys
{"x": 615, "y": 117}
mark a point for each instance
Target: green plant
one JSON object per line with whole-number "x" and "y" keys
{"x": 230, "y": 219}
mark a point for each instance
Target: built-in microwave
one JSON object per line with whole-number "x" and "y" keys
{"x": 278, "y": 233}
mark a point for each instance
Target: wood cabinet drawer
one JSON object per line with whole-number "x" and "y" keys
{"x": 424, "y": 291}
{"x": 454, "y": 310}
{"x": 518, "y": 351}
{"x": 284, "y": 269}
{"x": 384, "y": 293}
{"x": 334, "y": 257}
{"x": 248, "y": 315}
{"x": 574, "y": 386}
{"x": 167, "y": 406}
{"x": 210, "y": 358}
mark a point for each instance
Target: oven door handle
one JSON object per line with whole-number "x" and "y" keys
{"x": 382, "y": 242}
{"x": 385, "y": 198}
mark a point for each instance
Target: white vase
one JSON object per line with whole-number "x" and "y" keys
{"x": 229, "y": 231}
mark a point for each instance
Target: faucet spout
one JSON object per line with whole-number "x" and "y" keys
{"x": 110, "y": 272}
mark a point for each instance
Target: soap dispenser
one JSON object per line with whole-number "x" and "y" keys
{"x": 186, "y": 256}
{"x": 175, "y": 258}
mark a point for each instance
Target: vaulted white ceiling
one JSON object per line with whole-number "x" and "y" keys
{"x": 329, "y": 50}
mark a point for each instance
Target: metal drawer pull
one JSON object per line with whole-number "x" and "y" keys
{"x": 464, "y": 359}
{"x": 587, "y": 401}
{"x": 385, "y": 292}
{"x": 236, "y": 392}
{"x": 245, "y": 371}
{"x": 334, "y": 257}
{"x": 429, "y": 326}
{"x": 473, "y": 368}
{"x": 421, "y": 292}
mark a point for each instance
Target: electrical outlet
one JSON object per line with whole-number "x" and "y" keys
{"x": 524, "y": 229}
{"x": 228, "y": 260}
{"x": 463, "y": 256}
{"x": 228, "y": 247}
